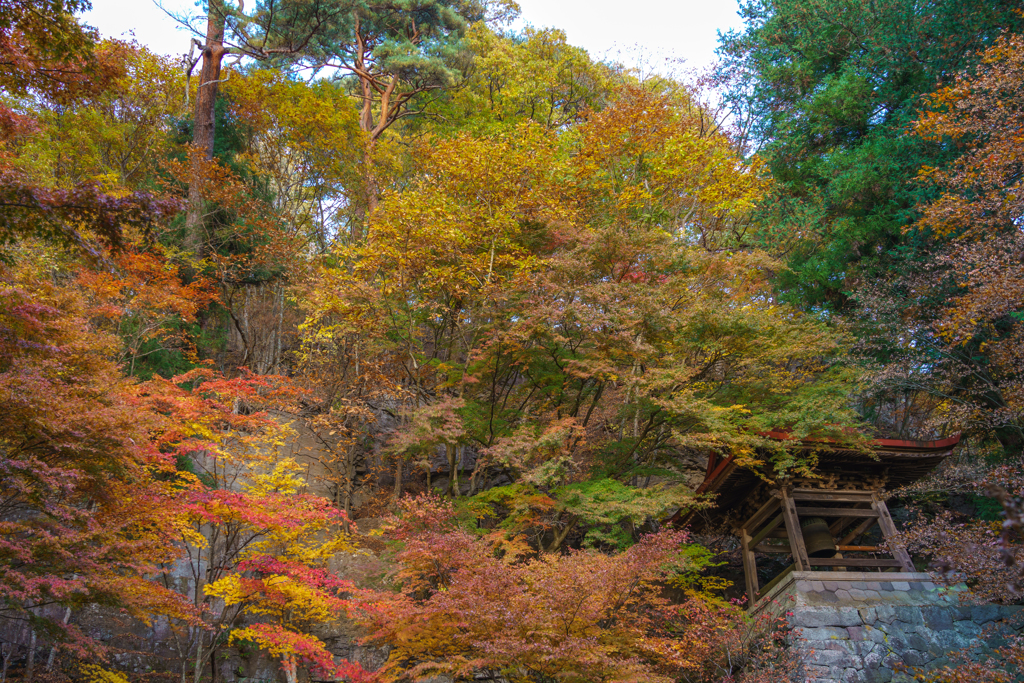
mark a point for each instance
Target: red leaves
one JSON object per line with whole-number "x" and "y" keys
{"x": 91, "y": 501}
{"x": 46, "y": 51}
{"x": 274, "y": 568}
{"x": 83, "y": 518}
{"x": 143, "y": 298}
{"x": 962, "y": 306}
{"x": 28, "y": 209}
{"x": 269, "y": 512}
{"x": 316, "y": 577}
{"x": 583, "y": 616}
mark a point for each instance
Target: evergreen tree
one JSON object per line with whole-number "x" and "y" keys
{"x": 828, "y": 90}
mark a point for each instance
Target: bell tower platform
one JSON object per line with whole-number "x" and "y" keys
{"x": 859, "y": 610}
{"x": 867, "y": 627}
{"x": 833, "y": 518}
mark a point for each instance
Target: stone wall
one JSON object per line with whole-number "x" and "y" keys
{"x": 856, "y": 627}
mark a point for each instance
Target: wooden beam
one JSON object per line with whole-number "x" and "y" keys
{"x": 765, "y": 531}
{"x": 749, "y": 566}
{"x": 835, "y": 497}
{"x": 837, "y": 526}
{"x": 712, "y": 463}
{"x": 796, "y": 536}
{"x": 774, "y": 582}
{"x": 854, "y": 562}
{"x": 836, "y": 512}
{"x": 752, "y": 524}
{"x": 762, "y": 548}
{"x": 889, "y": 532}
{"x": 859, "y": 548}
{"x": 861, "y": 528}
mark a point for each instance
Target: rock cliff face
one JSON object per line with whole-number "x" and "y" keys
{"x": 864, "y": 627}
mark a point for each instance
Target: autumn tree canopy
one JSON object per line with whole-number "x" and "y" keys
{"x": 388, "y": 320}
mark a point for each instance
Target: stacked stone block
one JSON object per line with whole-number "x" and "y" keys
{"x": 856, "y": 627}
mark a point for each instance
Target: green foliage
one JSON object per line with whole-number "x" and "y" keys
{"x": 608, "y": 513}
{"x": 612, "y": 512}
{"x": 986, "y": 508}
{"x": 551, "y": 277}
{"x": 536, "y": 76}
{"x": 416, "y": 43}
{"x": 698, "y": 576}
{"x": 158, "y": 361}
{"x": 829, "y": 91}
{"x": 186, "y": 463}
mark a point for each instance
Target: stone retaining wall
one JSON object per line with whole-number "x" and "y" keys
{"x": 856, "y": 626}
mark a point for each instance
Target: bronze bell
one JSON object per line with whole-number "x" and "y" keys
{"x": 817, "y": 538}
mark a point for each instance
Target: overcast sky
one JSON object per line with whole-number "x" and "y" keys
{"x": 621, "y": 30}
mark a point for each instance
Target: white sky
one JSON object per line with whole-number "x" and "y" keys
{"x": 655, "y": 30}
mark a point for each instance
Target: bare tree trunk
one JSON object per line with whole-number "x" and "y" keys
{"x": 199, "y": 660}
{"x": 53, "y": 650}
{"x": 350, "y": 477}
{"x": 291, "y": 673}
{"x": 204, "y": 122}
{"x": 398, "y": 477}
{"x": 280, "y": 328}
{"x": 30, "y": 664}
{"x": 372, "y": 132}
{"x": 6, "y": 650}
{"x": 560, "y": 535}
{"x": 475, "y": 476}
{"x": 453, "y": 469}
{"x": 250, "y": 345}
{"x": 371, "y": 192}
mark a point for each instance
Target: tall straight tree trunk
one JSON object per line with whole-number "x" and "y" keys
{"x": 372, "y": 191}
{"x": 6, "y": 651}
{"x": 204, "y": 122}
{"x": 371, "y": 129}
{"x": 197, "y": 673}
{"x": 290, "y": 667}
{"x": 30, "y": 663}
{"x": 398, "y": 478}
{"x": 53, "y": 649}
{"x": 350, "y": 483}
{"x": 453, "y": 469}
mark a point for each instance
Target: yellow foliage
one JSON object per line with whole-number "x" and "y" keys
{"x": 93, "y": 673}
{"x": 228, "y": 588}
{"x": 282, "y": 479}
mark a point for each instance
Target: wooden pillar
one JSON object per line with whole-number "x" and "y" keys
{"x": 749, "y": 567}
{"x": 796, "y": 537}
{"x": 747, "y": 543}
{"x": 889, "y": 532}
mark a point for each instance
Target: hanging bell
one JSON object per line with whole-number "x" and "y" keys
{"x": 817, "y": 538}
